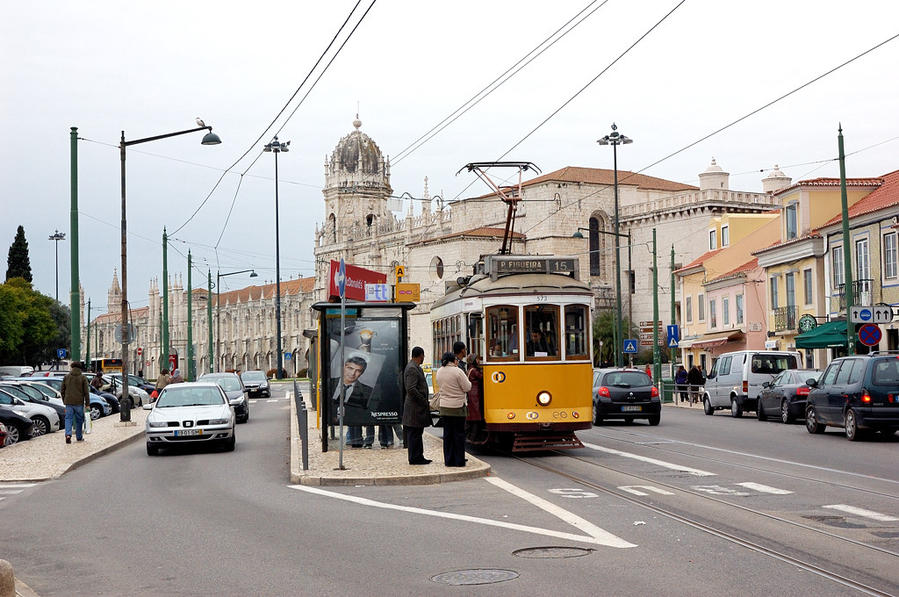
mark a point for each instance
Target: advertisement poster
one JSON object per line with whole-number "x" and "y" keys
{"x": 371, "y": 371}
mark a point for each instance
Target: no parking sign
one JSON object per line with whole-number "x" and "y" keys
{"x": 870, "y": 334}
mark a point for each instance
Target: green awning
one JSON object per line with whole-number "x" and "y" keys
{"x": 827, "y": 335}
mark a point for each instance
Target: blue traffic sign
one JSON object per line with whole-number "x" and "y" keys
{"x": 341, "y": 278}
{"x": 61, "y": 353}
{"x": 630, "y": 346}
{"x": 672, "y": 342}
{"x": 288, "y": 356}
{"x": 673, "y": 332}
{"x": 870, "y": 334}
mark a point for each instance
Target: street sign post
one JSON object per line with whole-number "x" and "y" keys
{"x": 875, "y": 314}
{"x": 288, "y": 356}
{"x": 870, "y": 334}
{"x": 630, "y": 346}
{"x": 61, "y": 353}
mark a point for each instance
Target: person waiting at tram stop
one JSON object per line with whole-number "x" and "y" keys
{"x": 454, "y": 387}
{"x": 416, "y": 411}
{"x": 460, "y": 352}
{"x": 475, "y": 428}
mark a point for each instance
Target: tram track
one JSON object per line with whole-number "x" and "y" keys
{"x": 717, "y": 531}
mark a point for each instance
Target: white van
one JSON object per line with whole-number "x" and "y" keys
{"x": 16, "y": 370}
{"x": 736, "y": 378}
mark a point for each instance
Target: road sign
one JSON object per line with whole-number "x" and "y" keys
{"x": 400, "y": 272}
{"x": 61, "y": 353}
{"x": 870, "y": 334}
{"x": 140, "y": 351}
{"x": 672, "y": 342}
{"x": 377, "y": 293}
{"x": 126, "y": 338}
{"x": 288, "y": 356}
{"x": 630, "y": 346}
{"x": 861, "y": 315}
{"x": 341, "y": 279}
{"x": 673, "y": 332}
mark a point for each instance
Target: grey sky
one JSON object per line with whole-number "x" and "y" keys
{"x": 152, "y": 67}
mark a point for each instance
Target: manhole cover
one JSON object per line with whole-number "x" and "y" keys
{"x": 483, "y": 576}
{"x": 552, "y": 552}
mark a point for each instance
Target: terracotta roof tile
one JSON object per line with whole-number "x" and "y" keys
{"x": 832, "y": 182}
{"x": 699, "y": 260}
{"x": 886, "y": 195}
{"x": 252, "y": 293}
{"x": 749, "y": 265}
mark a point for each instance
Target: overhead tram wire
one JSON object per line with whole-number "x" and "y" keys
{"x": 474, "y": 100}
{"x": 719, "y": 130}
{"x": 277, "y": 116}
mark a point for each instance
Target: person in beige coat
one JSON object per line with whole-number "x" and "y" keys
{"x": 454, "y": 386}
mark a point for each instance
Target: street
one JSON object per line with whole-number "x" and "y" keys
{"x": 698, "y": 505}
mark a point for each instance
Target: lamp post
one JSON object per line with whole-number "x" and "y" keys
{"x": 209, "y": 138}
{"x": 277, "y": 147}
{"x": 615, "y": 139}
{"x": 209, "y": 345}
{"x": 618, "y": 340}
{"x": 218, "y": 303}
{"x": 57, "y": 236}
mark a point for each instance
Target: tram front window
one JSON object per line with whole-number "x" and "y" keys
{"x": 542, "y": 324}
{"x": 502, "y": 332}
{"x": 576, "y": 333}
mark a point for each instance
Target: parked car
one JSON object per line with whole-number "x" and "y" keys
{"x": 110, "y": 399}
{"x": 44, "y": 418}
{"x": 858, "y": 393}
{"x": 256, "y": 383}
{"x": 736, "y": 378}
{"x": 99, "y": 407}
{"x": 3, "y": 435}
{"x": 16, "y": 370}
{"x": 234, "y": 389}
{"x": 194, "y": 412}
{"x": 138, "y": 396}
{"x": 18, "y": 427}
{"x": 26, "y": 392}
{"x": 785, "y": 396}
{"x": 625, "y": 394}
{"x": 51, "y": 394}
{"x": 134, "y": 382}
{"x": 52, "y": 381}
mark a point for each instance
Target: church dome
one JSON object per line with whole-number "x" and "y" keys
{"x": 357, "y": 153}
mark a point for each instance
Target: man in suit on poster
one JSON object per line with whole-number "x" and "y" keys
{"x": 356, "y": 399}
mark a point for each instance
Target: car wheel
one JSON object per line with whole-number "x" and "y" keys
{"x": 96, "y": 413}
{"x": 41, "y": 426}
{"x": 707, "y": 406}
{"x": 736, "y": 411}
{"x": 597, "y": 418}
{"x": 654, "y": 419}
{"x": 760, "y": 411}
{"x": 853, "y": 433}
{"x": 230, "y": 442}
{"x": 785, "y": 416}
{"x": 152, "y": 450}
{"x": 811, "y": 421}
{"x": 13, "y": 435}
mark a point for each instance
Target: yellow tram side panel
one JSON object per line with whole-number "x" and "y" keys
{"x": 511, "y": 389}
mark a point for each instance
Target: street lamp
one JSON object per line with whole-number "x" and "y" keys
{"x": 218, "y": 303}
{"x": 58, "y": 236}
{"x": 615, "y": 139}
{"x": 209, "y": 138}
{"x": 276, "y": 147}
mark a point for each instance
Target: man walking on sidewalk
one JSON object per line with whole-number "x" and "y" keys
{"x": 76, "y": 396}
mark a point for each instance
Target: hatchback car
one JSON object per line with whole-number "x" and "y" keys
{"x": 256, "y": 383}
{"x": 29, "y": 394}
{"x": 44, "y": 419}
{"x": 190, "y": 413}
{"x": 858, "y": 393}
{"x": 18, "y": 427}
{"x": 625, "y": 394}
{"x": 785, "y": 396}
{"x": 234, "y": 389}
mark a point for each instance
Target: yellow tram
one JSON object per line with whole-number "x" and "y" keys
{"x": 529, "y": 319}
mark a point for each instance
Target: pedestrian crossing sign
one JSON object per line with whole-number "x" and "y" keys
{"x": 630, "y": 346}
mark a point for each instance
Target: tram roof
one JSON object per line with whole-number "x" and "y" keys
{"x": 483, "y": 286}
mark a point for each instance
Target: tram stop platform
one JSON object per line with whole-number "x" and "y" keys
{"x": 369, "y": 466}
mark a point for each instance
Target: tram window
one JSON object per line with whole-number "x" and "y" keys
{"x": 502, "y": 333}
{"x": 576, "y": 333}
{"x": 542, "y": 328}
{"x": 475, "y": 332}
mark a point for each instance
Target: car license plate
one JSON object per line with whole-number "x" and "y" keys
{"x": 628, "y": 409}
{"x": 185, "y": 432}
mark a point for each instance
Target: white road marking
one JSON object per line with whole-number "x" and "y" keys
{"x": 272, "y": 400}
{"x": 16, "y": 485}
{"x": 602, "y": 536}
{"x": 662, "y": 463}
{"x": 764, "y": 488}
{"x": 862, "y": 512}
{"x": 573, "y": 493}
{"x": 719, "y": 490}
{"x": 614, "y": 542}
{"x": 636, "y": 489}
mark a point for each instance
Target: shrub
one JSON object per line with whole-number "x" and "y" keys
{"x": 271, "y": 373}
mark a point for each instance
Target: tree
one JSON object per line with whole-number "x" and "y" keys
{"x": 26, "y": 323}
{"x": 604, "y": 336}
{"x": 18, "y": 265}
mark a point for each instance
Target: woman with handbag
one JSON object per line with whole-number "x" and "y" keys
{"x": 454, "y": 387}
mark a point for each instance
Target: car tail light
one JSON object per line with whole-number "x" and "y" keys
{"x": 655, "y": 392}
{"x": 745, "y": 387}
{"x": 866, "y": 397}
{"x": 802, "y": 391}
{"x": 604, "y": 392}
{"x": 890, "y": 398}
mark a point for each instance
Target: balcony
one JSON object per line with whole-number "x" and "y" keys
{"x": 862, "y": 293}
{"x": 785, "y": 318}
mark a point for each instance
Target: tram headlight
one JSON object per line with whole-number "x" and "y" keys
{"x": 544, "y": 398}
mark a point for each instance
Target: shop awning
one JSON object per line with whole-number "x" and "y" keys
{"x": 712, "y": 340}
{"x": 827, "y": 335}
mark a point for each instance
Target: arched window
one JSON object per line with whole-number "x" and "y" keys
{"x": 595, "y": 265}
{"x": 332, "y": 228}
{"x": 369, "y": 220}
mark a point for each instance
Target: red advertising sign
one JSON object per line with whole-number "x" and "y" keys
{"x": 356, "y": 279}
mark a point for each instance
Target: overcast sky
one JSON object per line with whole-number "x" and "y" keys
{"x": 152, "y": 67}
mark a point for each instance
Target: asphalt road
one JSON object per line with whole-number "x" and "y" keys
{"x": 229, "y": 524}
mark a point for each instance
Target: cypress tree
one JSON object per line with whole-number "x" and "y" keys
{"x": 18, "y": 265}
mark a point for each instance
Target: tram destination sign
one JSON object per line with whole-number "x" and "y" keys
{"x": 501, "y": 265}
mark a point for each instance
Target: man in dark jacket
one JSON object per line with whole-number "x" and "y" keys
{"x": 76, "y": 396}
{"x": 696, "y": 380}
{"x": 416, "y": 413}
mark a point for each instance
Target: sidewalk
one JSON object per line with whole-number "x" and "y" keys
{"x": 376, "y": 466}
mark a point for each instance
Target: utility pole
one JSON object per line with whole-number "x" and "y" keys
{"x": 656, "y": 356}
{"x": 673, "y": 356}
{"x": 57, "y": 236}
{"x": 164, "y": 332}
{"x": 190, "y": 324}
{"x": 75, "y": 293}
{"x": 847, "y": 247}
{"x": 209, "y": 318}
{"x": 87, "y": 357}
{"x": 277, "y": 147}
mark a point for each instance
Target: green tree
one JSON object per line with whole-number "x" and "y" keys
{"x": 604, "y": 336}
{"x": 26, "y": 323}
{"x": 18, "y": 265}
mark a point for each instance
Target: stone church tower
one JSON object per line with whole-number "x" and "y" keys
{"x": 114, "y": 295}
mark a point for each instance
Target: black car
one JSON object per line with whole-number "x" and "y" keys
{"x": 257, "y": 383}
{"x": 235, "y": 390}
{"x": 625, "y": 394}
{"x": 18, "y": 428}
{"x": 108, "y": 397}
{"x": 785, "y": 396}
{"x": 858, "y": 393}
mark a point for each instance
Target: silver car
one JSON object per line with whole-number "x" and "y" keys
{"x": 190, "y": 413}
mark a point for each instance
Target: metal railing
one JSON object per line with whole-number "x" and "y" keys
{"x": 862, "y": 293}
{"x": 302, "y": 423}
{"x": 785, "y": 318}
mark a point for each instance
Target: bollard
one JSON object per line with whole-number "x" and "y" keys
{"x": 302, "y": 424}
{"x": 7, "y": 580}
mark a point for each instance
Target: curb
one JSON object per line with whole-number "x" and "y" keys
{"x": 103, "y": 452}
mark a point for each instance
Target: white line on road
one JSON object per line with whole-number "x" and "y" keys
{"x": 605, "y": 537}
{"x": 636, "y": 489}
{"x": 16, "y": 485}
{"x": 449, "y": 515}
{"x": 862, "y": 512}
{"x": 764, "y": 488}
{"x": 272, "y": 400}
{"x": 662, "y": 463}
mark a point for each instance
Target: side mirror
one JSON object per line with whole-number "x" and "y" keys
{"x": 148, "y": 406}
{"x": 812, "y": 383}
{"x": 711, "y": 375}
{"x": 235, "y": 402}
{"x": 766, "y": 384}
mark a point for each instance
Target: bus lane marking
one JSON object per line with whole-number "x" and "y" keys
{"x": 764, "y": 488}
{"x": 636, "y": 490}
{"x": 606, "y": 539}
{"x": 862, "y": 512}
{"x": 669, "y": 465}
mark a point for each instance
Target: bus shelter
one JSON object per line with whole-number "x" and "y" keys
{"x": 375, "y": 353}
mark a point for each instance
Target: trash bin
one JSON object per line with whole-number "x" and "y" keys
{"x": 668, "y": 388}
